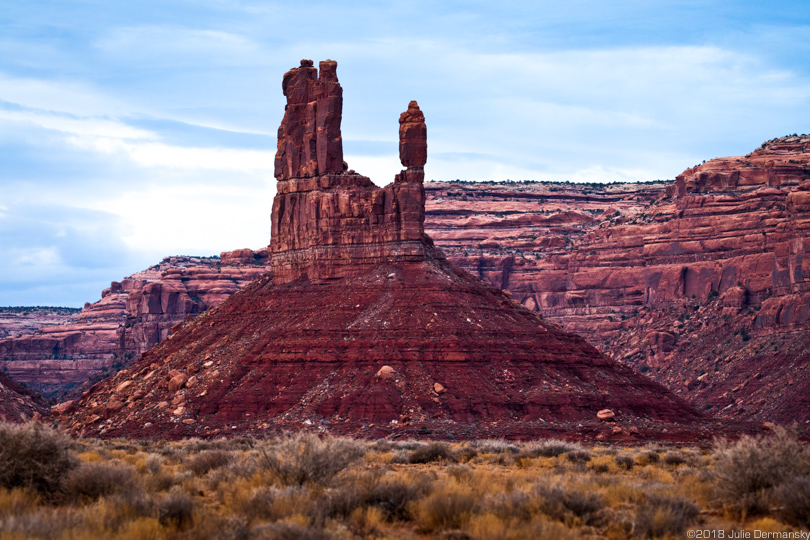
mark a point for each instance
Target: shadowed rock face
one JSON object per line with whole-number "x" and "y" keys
{"x": 357, "y": 289}
{"x": 18, "y": 404}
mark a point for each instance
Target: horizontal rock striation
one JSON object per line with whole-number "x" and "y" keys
{"x": 131, "y": 317}
{"x": 703, "y": 288}
{"x": 364, "y": 328}
{"x": 20, "y": 321}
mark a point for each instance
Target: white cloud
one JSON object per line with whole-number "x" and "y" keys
{"x": 177, "y": 157}
{"x": 79, "y": 126}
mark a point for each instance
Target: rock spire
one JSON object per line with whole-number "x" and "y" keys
{"x": 309, "y": 140}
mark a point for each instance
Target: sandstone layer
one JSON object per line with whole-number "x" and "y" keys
{"x": 364, "y": 328}
{"x": 20, "y": 321}
{"x": 131, "y": 317}
{"x": 702, "y": 283}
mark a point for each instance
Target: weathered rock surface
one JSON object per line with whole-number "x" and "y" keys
{"x": 309, "y": 139}
{"x": 365, "y": 328}
{"x": 412, "y": 137}
{"x": 18, "y": 404}
{"x": 20, "y": 321}
{"x": 706, "y": 290}
{"x": 131, "y": 317}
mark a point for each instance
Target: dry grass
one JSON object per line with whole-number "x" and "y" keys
{"x": 304, "y": 486}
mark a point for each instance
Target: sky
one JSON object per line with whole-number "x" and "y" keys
{"x": 131, "y": 131}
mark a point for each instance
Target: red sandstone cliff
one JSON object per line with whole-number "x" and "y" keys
{"x": 20, "y": 321}
{"x": 131, "y": 317}
{"x": 619, "y": 264}
{"x": 706, "y": 290}
{"x": 363, "y": 327}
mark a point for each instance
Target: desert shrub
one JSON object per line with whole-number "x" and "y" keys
{"x": 34, "y": 456}
{"x": 625, "y": 462}
{"x": 549, "y": 448}
{"x": 208, "y": 460}
{"x": 663, "y": 516}
{"x": 290, "y": 531}
{"x": 444, "y": 509}
{"x": 578, "y": 456}
{"x": 154, "y": 463}
{"x": 304, "y": 457}
{"x": 458, "y": 471}
{"x": 216, "y": 527}
{"x": 495, "y": 446}
{"x": 793, "y": 498}
{"x": 42, "y": 524}
{"x": 674, "y": 459}
{"x": 434, "y": 451}
{"x": 559, "y": 502}
{"x": 750, "y": 469}
{"x": 273, "y": 503}
{"x": 176, "y": 509}
{"x": 393, "y": 497}
{"x": 516, "y": 504}
{"x": 93, "y": 480}
{"x": 649, "y": 456}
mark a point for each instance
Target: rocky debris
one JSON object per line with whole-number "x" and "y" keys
{"x": 329, "y": 341}
{"x": 606, "y": 415}
{"x": 309, "y": 139}
{"x": 19, "y": 404}
{"x": 131, "y": 317}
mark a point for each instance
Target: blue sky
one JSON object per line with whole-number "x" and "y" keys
{"x": 130, "y": 131}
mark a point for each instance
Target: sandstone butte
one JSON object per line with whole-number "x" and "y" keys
{"x": 363, "y": 327}
{"x": 637, "y": 269}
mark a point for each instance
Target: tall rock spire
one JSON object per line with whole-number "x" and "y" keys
{"x": 309, "y": 140}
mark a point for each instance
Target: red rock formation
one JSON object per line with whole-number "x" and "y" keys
{"x": 20, "y": 321}
{"x": 131, "y": 317}
{"x": 309, "y": 140}
{"x": 18, "y": 404}
{"x": 778, "y": 162}
{"x": 412, "y": 137}
{"x": 670, "y": 286}
{"x": 358, "y": 290}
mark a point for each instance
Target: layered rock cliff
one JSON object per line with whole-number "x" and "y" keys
{"x": 364, "y": 328}
{"x": 131, "y": 317}
{"x": 20, "y": 321}
{"x": 703, "y": 283}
